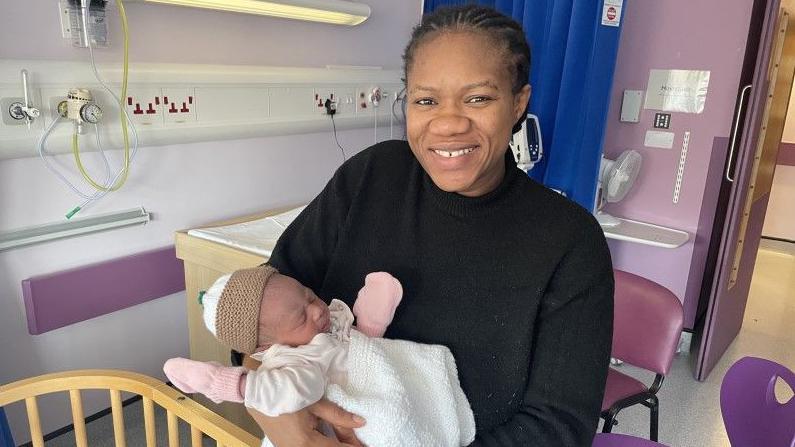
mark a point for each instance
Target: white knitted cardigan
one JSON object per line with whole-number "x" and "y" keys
{"x": 408, "y": 392}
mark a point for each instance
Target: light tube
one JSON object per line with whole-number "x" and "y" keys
{"x": 339, "y": 12}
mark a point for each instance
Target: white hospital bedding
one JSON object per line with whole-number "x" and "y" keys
{"x": 256, "y": 236}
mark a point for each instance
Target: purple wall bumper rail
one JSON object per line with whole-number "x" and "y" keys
{"x": 59, "y": 299}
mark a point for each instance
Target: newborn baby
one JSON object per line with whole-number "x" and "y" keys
{"x": 409, "y": 393}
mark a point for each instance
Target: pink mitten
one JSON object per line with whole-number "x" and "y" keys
{"x": 376, "y": 303}
{"x": 219, "y": 383}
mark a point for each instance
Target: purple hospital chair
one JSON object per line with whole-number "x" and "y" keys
{"x": 647, "y": 324}
{"x": 751, "y": 413}
{"x": 616, "y": 440}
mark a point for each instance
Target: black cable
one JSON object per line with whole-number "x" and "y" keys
{"x": 779, "y": 239}
{"x": 402, "y": 98}
{"x": 333, "y": 125}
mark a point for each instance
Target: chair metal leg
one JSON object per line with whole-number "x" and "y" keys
{"x": 610, "y": 421}
{"x": 607, "y": 427}
{"x": 654, "y": 418}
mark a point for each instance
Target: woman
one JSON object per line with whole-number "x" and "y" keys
{"x": 513, "y": 278}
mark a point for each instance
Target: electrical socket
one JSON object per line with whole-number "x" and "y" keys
{"x": 145, "y": 106}
{"x": 319, "y": 97}
{"x": 369, "y": 97}
{"x": 362, "y": 100}
{"x": 178, "y": 105}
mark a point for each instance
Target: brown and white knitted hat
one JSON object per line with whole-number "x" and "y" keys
{"x": 232, "y": 307}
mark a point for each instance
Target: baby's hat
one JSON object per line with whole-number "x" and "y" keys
{"x": 231, "y": 307}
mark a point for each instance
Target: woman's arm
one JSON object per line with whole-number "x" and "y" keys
{"x": 570, "y": 356}
{"x": 304, "y": 249}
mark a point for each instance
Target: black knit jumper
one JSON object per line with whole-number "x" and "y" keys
{"x": 517, "y": 283}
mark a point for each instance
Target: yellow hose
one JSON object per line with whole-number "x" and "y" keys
{"x": 76, "y": 150}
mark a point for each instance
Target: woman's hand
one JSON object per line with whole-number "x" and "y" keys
{"x": 302, "y": 428}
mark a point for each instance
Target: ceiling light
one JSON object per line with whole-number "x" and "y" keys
{"x": 340, "y": 12}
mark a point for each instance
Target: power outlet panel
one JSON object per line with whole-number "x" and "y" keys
{"x": 346, "y": 103}
{"x": 230, "y": 105}
{"x": 199, "y": 105}
{"x": 319, "y": 97}
{"x": 343, "y": 96}
{"x": 373, "y": 96}
{"x": 145, "y": 106}
{"x": 362, "y": 100}
{"x": 178, "y": 105}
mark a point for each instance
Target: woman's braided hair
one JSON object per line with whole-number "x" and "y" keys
{"x": 502, "y": 30}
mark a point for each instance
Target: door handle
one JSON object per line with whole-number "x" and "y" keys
{"x": 736, "y": 127}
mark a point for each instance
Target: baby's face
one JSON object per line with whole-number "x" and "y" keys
{"x": 291, "y": 314}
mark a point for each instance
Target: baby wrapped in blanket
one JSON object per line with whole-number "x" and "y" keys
{"x": 408, "y": 393}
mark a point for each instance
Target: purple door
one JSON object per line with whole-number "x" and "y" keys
{"x": 756, "y": 134}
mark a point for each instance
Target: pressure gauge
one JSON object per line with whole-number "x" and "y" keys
{"x": 91, "y": 113}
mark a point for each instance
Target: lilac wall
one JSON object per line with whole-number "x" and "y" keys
{"x": 182, "y": 185}
{"x": 677, "y": 34}
{"x": 780, "y": 217}
{"x": 172, "y": 34}
{"x": 786, "y": 154}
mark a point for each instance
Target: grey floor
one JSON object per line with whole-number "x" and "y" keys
{"x": 690, "y": 410}
{"x": 100, "y": 431}
{"x": 689, "y": 414}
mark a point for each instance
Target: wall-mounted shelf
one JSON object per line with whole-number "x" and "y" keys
{"x": 646, "y": 233}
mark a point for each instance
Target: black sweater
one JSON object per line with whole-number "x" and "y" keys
{"x": 517, "y": 283}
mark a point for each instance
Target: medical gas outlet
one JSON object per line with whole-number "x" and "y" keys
{"x": 80, "y": 108}
{"x": 20, "y": 109}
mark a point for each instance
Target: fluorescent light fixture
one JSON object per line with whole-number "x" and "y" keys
{"x": 339, "y": 12}
{"x": 70, "y": 228}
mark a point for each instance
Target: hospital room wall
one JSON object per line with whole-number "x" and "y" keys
{"x": 656, "y": 35}
{"x": 182, "y": 185}
{"x": 780, "y": 216}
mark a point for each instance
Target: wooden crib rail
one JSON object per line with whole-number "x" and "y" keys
{"x": 152, "y": 391}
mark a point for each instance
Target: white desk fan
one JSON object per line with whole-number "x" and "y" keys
{"x": 615, "y": 180}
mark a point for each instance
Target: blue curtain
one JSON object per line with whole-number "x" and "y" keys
{"x": 6, "y": 440}
{"x": 573, "y": 60}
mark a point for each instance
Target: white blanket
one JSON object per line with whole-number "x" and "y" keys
{"x": 408, "y": 392}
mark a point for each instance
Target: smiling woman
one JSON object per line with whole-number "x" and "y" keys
{"x": 527, "y": 315}
{"x": 459, "y": 125}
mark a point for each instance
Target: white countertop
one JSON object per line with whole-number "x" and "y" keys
{"x": 646, "y": 233}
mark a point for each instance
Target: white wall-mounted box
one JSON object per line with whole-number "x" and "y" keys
{"x": 631, "y": 106}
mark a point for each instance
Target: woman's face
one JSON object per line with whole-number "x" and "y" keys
{"x": 460, "y": 111}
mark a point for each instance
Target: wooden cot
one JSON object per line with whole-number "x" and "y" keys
{"x": 152, "y": 391}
